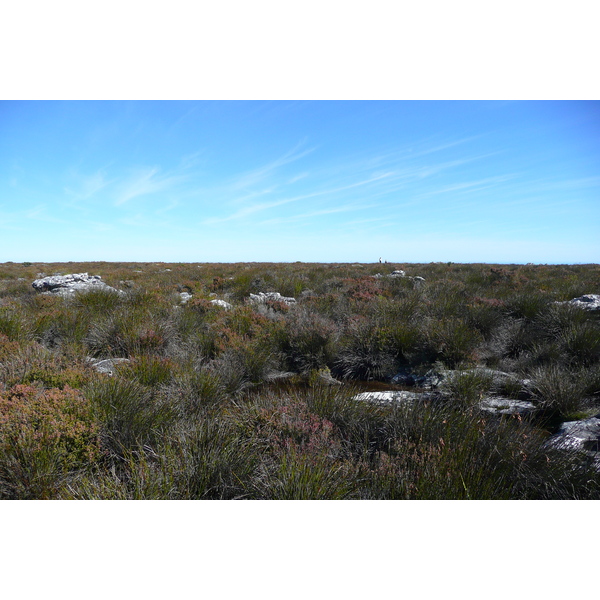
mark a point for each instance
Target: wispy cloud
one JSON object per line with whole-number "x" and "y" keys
{"x": 87, "y": 186}
{"x": 316, "y": 213}
{"x": 39, "y": 213}
{"x": 298, "y": 177}
{"x": 258, "y": 207}
{"x": 470, "y": 186}
{"x": 144, "y": 182}
{"x": 258, "y": 175}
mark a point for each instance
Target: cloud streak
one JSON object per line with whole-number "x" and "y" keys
{"x": 145, "y": 182}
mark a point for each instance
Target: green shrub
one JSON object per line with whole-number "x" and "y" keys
{"x": 453, "y": 341}
{"x": 149, "y": 370}
{"x": 308, "y": 341}
{"x": 527, "y": 305}
{"x": 210, "y": 461}
{"x": 195, "y": 392}
{"x": 12, "y": 324}
{"x": 558, "y": 390}
{"x": 467, "y": 388}
{"x": 581, "y": 343}
{"x": 367, "y": 352}
{"x": 97, "y": 301}
{"x": 298, "y": 477}
{"x": 129, "y": 416}
{"x": 133, "y": 332}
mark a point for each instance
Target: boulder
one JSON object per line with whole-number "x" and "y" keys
{"x": 263, "y": 297}
{"x": 185, "y": 297}
{"x": 68, "y": 285}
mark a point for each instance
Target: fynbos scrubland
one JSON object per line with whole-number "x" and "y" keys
{"x": 299, "y": 381}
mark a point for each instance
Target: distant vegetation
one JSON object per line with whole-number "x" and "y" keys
{"x": 218, "y": 403}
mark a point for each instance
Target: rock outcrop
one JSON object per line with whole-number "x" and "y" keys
{"x": 68, "y": 285}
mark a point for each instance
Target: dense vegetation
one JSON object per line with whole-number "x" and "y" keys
{"x": 203, "y": 408}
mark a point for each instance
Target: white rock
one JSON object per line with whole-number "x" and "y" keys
{"x": 263, "y": 297}
{"x": 506, "y": 406}
{"x": 108, "y": 365}
{"x": 391, "y": 397}
{"x": 587, "y": 302}
{"x": 578, "y": 435}
{"x": 67, "y": 285}
{"x": 222, "y": 304}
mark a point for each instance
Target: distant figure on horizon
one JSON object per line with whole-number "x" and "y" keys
{"x": 380, "y": 260}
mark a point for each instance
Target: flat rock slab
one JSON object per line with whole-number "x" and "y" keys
{"x": 391, "y": 397}
{"x": 506, "y": 406}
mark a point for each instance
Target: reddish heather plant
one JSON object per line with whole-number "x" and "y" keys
{"x": 293, "y": 427}
{"x": 363, "y": 288}
{"x": 60, "y": 420}
{"x": 492, "y": 302}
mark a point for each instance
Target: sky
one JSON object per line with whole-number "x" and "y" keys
{"x": 314, "y": 181}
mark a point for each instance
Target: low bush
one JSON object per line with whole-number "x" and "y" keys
{"x": 308, "y": 341}
{"x": 128, "y": 415}
{"x": 44, "y": 434}
{"x": 559, "y": 391}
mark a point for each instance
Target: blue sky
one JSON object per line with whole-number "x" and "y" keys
{"x": 322, "y": 181}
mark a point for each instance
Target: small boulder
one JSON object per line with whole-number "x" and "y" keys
{"x": 107, "y": 366}
{"x": 222, "y": 304}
